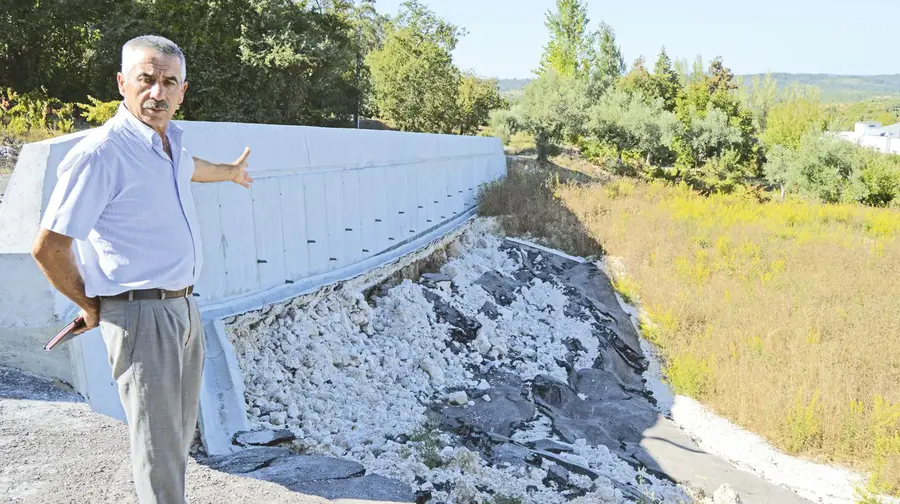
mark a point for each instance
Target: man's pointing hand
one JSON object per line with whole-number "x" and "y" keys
{"x": 240, "y": 170}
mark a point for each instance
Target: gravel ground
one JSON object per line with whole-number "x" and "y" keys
{"x": 54, "y": 450}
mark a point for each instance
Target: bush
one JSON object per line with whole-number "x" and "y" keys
{"x": 98, "y": 112}
{"x": 833, "y": 171}
{"x": 34, "y": 114}
{"x": 504, "y": 123}
{"x": 553, "y": 109}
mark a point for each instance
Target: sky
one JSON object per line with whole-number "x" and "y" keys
{"x": 858, "y": 37}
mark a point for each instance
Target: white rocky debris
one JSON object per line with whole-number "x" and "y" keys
{"x": 459, "y": 398}
{"x": 352, "y": 381}
{"x": 726, "y": 495}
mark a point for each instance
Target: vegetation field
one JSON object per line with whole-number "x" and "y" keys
{"x": 781, "y": 316}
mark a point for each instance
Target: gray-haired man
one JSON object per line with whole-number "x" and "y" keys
{"x": 123, "y": 194}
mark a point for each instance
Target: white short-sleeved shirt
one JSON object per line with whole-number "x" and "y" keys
{"x": 129, "y": 208}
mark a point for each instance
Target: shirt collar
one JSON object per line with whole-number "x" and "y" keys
{"x": 145, "y": 133}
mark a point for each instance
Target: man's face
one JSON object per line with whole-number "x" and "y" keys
{"x": 154, "y": 88}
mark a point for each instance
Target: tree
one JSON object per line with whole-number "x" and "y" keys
{"x": 476, "y": 98}
{"x": 639, "y": 82}
{"x": 629, "y": 122}
{"x": 668, "y": 84}
{"x": 49, "y": 44}
{"x": 570, "y": 49}
{"x": 369, "y": 31}
{"x": 414, "y": 79}
{"x": 504, "y": 123}
{"x": 552, "y": 108}
{"x": 267, "y": 61}
{"x": 762, "y": 98}
{"x": 795, "y": 114}
{"x": 609, "y": 64}
{"x": 821, "y": 168}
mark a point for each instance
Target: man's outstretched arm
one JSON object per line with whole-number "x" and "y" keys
{"x": 53, "y": 254}
{"x": 236, "y": 172}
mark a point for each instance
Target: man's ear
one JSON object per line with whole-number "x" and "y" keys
{"x": 184, "y": 87}
{"x": 120, "y": 79}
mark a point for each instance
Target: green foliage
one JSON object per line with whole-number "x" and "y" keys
{"x": 803, "y": 425}
{"x": 98, "y": 112}
{"x": 668, "y": 85}
{"x": 570, "y": 49}
{"x": 504, "y": 123}
{"x": 609, "y": 64}
{"x": 34, "y": 115}
{"x": 718, "y": 146}
{"x": 796, "y": 113}
{"x": 833, "y": 170}
{"x": 427, "y": 445}
{"x": 48, "y": 44}
{"x": 639, "y": 81}
{"x": 553, "y": 108}
{"x": 270, "y": 61}
{"x": 629, "y": 122}
{"x": 476, "y": 99}
{"x": 414, "y": 79}
{"x": 761, "y": 98}
{"x": 845, "y": 116}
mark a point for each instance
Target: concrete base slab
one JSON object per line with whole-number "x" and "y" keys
{"x": 682, "y": 460}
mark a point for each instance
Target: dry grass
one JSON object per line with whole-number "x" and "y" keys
{"x": 520, "y": 143}
{"x": 529, "y": 186}
{"x": 782, "y": 317}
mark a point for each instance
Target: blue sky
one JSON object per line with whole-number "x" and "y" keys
{"x": 860, "y": 37}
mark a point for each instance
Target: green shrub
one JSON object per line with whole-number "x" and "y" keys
{"x": 34, "y": 114}
{"x": 504, "y": 123}
{"x": 834, "y": 171}
{"x": 98, "y": 112}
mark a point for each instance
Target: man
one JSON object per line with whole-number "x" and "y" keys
{"x": 123, "y": 194}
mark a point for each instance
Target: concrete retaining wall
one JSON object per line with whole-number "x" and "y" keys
{"x": 327, "y": 204}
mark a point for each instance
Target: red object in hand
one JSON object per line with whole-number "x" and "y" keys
{"x": 66, "y": 333}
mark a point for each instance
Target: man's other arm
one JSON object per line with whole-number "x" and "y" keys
{"x": 53, "y": 254}
{"x": 236, "y": 172}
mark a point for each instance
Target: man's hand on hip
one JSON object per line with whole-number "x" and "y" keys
{"x": 53, "y": 254}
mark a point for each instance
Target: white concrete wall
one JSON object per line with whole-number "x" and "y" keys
{"x": 327, "y": 204}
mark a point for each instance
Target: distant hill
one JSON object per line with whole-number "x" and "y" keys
{"x": 507, "y": 85}
{"x": 841, "y": 88}
{"x": 834, "y": 88}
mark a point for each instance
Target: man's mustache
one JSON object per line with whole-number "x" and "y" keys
{"x": 153, "y": 104}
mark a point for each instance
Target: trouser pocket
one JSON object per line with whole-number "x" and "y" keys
{"x": 118, "y": 327}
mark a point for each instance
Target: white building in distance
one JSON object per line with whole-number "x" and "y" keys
{"x": 872, "y": 134}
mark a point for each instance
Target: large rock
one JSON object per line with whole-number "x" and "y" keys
{"x": 246, "y": 461}
{"x": 263, "y": 437}
{"x": 510, "y": 454}
{"x": 366, "y": 488}
{"x": 291, "y": 471}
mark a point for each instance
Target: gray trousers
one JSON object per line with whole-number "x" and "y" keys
{"x": 156, "y": 350}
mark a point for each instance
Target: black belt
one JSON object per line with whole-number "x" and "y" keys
{"x": 150, "y": 294}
